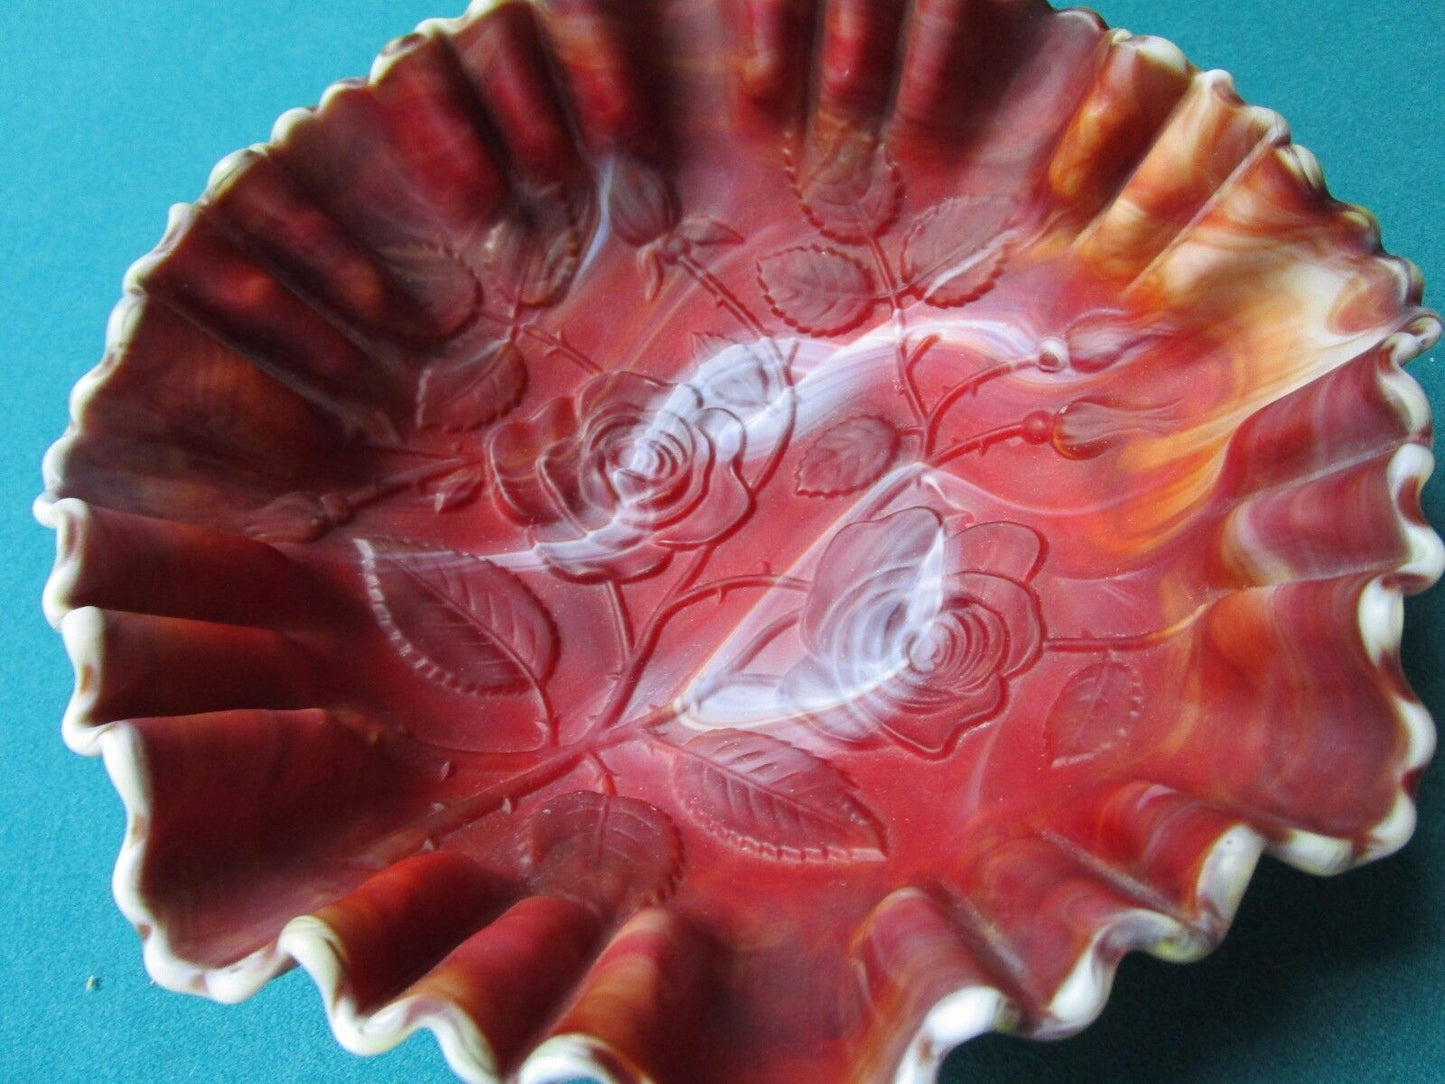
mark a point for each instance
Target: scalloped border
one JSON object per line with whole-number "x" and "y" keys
{"x": 964, "y": 1014}
{"x": 1229, "y": 864}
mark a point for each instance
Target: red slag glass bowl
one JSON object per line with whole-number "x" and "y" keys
{"x": 664, "y": 553}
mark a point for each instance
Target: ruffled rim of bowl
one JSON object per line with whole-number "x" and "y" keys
{"x": 961, "y": 1015}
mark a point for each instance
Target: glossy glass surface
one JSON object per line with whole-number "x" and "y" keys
{"x": 657, "y": 541}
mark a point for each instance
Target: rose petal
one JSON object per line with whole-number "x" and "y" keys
{"x": 810, "y": 688}
{"x": 560, "y": 474}
{"x": 1010, "y": 550}
{"x": 634, "y": 392}
{"x": 727, "y": 503}
{"x": 933, "y": 733}
{"x": 1016, "y": 606}
{"x": 660, "y": 504}
{"x": 516, "y": 451}
{"x": 726, "y": 431}
{"x": 979, "y": 639}
{"x": 613, "y": 553}
{"x": 861, "y": 551}
{"x": 867, "y": 620}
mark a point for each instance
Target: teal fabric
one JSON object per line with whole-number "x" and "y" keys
{"x": 109, "y": 112}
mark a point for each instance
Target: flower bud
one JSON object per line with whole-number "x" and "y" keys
{"x": 1087, "y": 428}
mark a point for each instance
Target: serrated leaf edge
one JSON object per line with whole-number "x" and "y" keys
{"x": 774, "y": 851}
{"x": 418, "y": 659}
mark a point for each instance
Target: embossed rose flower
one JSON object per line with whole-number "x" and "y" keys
{"x": 915, "y": 629}
{"x": 617, "y": 479}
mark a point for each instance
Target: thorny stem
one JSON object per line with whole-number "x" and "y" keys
{"x": 633, "y": 668}
{"x": 507, "y": 794}
{"x": 607, "y": 778}
{"x": 551, "y": 340}
{"x": 957, "y": 392}
{"x": 692, "y": 575}
{"x": 616, "y": 603}
{"x": 388, "y": 487}
{"x": 980, "y": 443}
{"x": 473, "y": 808}
{"x": 759, "y": 643}
{"x": 900, "y": 322}
{"x": 916, "y": 356}
{"x": 1141, "y": 641}
{"x": 884, "y": 497}
{"x": 647, "y": 642}
{"x": 558, "y": 344}
{"x": 727, "y": 300}
{"x": 620, "y": 617}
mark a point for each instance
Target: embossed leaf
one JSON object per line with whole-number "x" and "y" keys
{"x": 298, "y": 517}
{"x": 470, "y": 392}
{"x": 459, "y": 488}
{"x": 641, "y": 204}
{"x": 704, "y": 231}
{"x": 852, "y": 192}
{"x": 847, "y": 457}
{"x": 773, "y": 799}
{"x": 445, "y": 289}
{"x": 618, "y": 852}
{"x": 819, "y": 291}
{"x": 461, "y": 621}
{"x": 956, "y": 250}
{"x": 533, "y": 253}
{"x": 1094, "y": 712}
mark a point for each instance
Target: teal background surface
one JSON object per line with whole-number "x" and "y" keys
{"x": 110, "y": 112}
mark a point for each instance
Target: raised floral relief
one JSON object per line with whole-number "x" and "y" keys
{"x": 915, "y": 628}
{"x": 619, "y": 853}
{"x": 955, "y": 251}
{"x": 848, "y": 456}
{"x": 470, "y": 392}
{"x": 908, "y": 626}
{"x": 617, "y": 481}
{"x": 851, "y": 189}
{"x": 642, "y": 208}
{"x": 460, "y": 620}
{"x": 818, "y": 290}
{"x": 1094, "y": 711}
{"x": 773, "y": 799}
{"x": 531, "y": 255}
{"x": 763, "y": 592}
